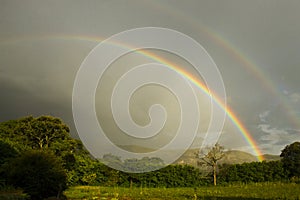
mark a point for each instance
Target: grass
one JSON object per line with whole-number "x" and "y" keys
{"x": 12, "y": 194}
{"x": 237, "y": 191}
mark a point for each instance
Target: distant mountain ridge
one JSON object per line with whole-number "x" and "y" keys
{"x": 268, "y": 157}
{"x": 231, "y": 157}
{"x": 189, "y": 157}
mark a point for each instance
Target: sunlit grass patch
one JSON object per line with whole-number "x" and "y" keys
{"x": 233, "y": 191}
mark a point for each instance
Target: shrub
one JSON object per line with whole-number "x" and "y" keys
{"x": 6, "y": 152}
{"x": 39, "y": 173}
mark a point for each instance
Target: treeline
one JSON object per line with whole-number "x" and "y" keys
{"x": 271, "y": 171}
{"x": 135, "y": 165}
{"x": 41, "y": 149}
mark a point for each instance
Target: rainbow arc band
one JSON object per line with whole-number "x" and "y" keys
{"x": 229, "y": 112}
{"x": 199, "y": 84}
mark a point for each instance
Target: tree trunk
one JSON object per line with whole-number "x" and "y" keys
{"x": 215, "y": 175}
{"x": 41, "y": 144}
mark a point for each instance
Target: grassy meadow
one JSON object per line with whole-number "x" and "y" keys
{"x": 235, "y": 191}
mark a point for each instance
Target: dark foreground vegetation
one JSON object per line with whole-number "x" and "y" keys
{"x": 39, "y": 159}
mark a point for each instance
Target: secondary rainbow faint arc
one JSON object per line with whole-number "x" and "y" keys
{"x": 229, "y": 112}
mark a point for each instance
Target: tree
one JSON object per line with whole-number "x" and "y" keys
{"x": 45, "y": 133}
{"x": 211, "y": 158}
{"x": 39, "y": 173}
{"x": 42, "y": 131}
{"x": 291, "y": 159}
{"x": 35, "y": 133}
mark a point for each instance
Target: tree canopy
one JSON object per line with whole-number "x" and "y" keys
{"x": 291, "y": 159}
{"x": 44, "y": 133}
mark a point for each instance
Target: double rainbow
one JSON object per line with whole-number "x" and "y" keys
{"x": 229, "y": 112}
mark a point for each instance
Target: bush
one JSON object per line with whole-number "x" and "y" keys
{"x": 291, "y": 159}
{"x": 39, "y": 173}
{"x": 6, "y": 152}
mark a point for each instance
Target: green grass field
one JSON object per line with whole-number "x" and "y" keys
{"x": 236, "y": 191}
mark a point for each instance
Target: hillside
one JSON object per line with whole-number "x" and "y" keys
{"x": 237, "y": 157}
{"x": 135, "y": 148}
{"x": 271, "y": 157}
{"x": 231, "y": 157}
{"x": 189, "y": 157}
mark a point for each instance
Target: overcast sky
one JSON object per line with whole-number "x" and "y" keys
{"x": 255, "y": 45}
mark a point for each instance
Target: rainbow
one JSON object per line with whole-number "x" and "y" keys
{"x": 199, "y": 84}
{"x": 229, "y": 112}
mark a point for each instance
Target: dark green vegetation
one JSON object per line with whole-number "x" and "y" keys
{"x": 40, "y": 159}
{"x": 39, "y": 173}
{"x": 36, "y": 155}
{"x": 291, "y": 159}
{"x": 253, "y": 172}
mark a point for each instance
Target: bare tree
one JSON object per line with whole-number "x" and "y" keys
{"x": 210, "y": 157}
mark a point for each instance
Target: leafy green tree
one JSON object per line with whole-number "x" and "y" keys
{"x": 19, "y": 142}
{"x": 50, "y": 134}
{"x": 37, "y": 133}
{"x": 42, "y": 131}
{"x": 291, "y": 159}
{"x": 211, "y": 158}
{"x": 84, "y": 171}
{"x": 39, "y": 173}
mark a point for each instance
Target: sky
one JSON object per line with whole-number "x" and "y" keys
{"x": 255, "y": 45}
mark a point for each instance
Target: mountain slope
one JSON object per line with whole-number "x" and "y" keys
{"x": 231, "y": 157}
{"x": 189, "y": 157}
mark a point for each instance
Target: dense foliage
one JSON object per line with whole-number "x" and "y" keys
{"x": 7, "y": 152}
{"x": 39, "y": 173}
{"x": 253, "y": 172}
{"x": 38, "y": 153}
{"x": 42, "y": 133}
{"x": 291, "y": 159}
{"x": 170, "y": 176}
